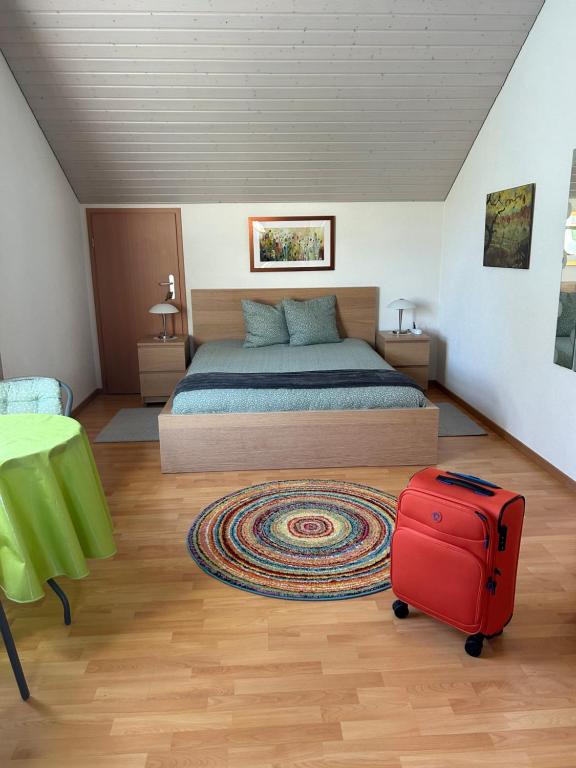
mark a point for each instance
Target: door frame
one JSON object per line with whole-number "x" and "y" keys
{"x": 181, "y": 282}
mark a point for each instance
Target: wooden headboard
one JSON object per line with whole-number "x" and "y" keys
{"x": 217, "y": 313}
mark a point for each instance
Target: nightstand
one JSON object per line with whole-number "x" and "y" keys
{"x": 407, "y": 353}
{"x": 161, "y": 364}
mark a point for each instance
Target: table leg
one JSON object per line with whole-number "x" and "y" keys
{"x": 57, "y": 589}
{"x": 13, "y": 655}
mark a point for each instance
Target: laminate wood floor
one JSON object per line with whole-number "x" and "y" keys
{"x": 164, "y": 667}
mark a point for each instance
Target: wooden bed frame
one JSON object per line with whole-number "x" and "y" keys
{"x": 210, "y": 442}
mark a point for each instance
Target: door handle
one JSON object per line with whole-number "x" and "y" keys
{"x": 171, "y": 294}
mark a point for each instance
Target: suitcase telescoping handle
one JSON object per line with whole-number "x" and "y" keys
{"x": 478, "y": 489}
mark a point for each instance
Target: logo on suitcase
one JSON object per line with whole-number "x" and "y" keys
{"x": 437, "y": 516}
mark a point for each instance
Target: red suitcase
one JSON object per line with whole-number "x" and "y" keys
{"x": 455, "y": 552}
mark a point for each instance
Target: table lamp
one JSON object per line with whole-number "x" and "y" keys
{"x": 164, "y": 309}
{"x": 401, "y": 305}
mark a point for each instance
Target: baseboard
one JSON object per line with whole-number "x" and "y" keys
{"x": 479, "y": 416}
{"x": 87, "y": 400}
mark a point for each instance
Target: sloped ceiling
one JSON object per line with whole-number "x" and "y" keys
{"x": 182, "y": 101}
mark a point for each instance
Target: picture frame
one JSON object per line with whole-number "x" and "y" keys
{"x": 291, "y": 243}
{"x": 508, "y": 227}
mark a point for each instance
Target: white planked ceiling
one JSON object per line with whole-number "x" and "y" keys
{"x": 178, "y": 101}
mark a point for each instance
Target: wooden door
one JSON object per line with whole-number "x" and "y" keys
{"x": 133, "y": 250}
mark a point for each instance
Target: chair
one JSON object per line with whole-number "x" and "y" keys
{"x": 35, "y": 394}
{"x": 565, "y": 343}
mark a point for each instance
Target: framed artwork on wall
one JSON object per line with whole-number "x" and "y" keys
{"x": 291, "y": 243}
{"x": 508, "y": 227}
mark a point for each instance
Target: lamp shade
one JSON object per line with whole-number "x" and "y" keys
{"x": 163, "y": 309}
{"x": 401, "y": 304}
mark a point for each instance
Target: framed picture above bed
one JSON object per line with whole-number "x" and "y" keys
{"x": 291, "y": 243}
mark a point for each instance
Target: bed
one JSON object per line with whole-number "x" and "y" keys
{"x": 235, "y": 430}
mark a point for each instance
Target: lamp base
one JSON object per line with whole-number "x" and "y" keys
{"x": 164, "y": 338}
{"x": 401, "y": 333}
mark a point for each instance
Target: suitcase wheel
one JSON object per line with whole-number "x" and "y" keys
{"x": 473, "y": 644}
{"x": 400, "y": 609}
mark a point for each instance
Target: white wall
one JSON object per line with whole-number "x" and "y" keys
{"x": 499, "y": 324}
{"x": 44, "y": 295}
{"x": 395, "y": 246}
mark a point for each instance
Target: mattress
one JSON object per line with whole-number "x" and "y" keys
{"x": 232, "y": 357}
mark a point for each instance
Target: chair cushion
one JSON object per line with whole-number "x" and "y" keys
{"x": 30, "y": 395}
{"x": 265, "y": 324}
{"x": 311, "y": 322}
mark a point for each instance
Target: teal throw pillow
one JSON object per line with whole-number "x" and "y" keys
{"x": 265, "y": 324}
{"x": 311, "y": 322}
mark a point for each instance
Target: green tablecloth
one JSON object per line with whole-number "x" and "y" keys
{"x": 53, "y": 513}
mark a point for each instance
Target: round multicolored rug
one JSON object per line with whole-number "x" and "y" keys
{"x": 298, "y": 539}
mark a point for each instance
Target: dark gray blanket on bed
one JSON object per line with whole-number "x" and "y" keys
{"x": 331, "y": 379}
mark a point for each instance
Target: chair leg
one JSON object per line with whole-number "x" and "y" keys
{"x": 13, "y": 655}
{"x": 57, "y": 589}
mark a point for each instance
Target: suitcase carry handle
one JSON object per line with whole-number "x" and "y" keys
{"x": 479, "y": 489}
{"x": 474, "y": 479}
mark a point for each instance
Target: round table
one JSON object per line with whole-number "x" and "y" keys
{"x": 53, "y": 512}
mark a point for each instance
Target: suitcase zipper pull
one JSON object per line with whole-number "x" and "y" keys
{"x": 487, "y": 535}
{"x": 491, "y": 585}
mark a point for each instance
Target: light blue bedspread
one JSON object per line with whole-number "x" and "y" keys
{"x": 231, "y": 356}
